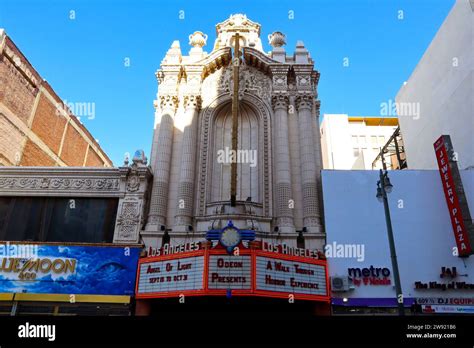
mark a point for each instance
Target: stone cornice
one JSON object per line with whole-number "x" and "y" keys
{"x": 259, "y": 59}
{"x": 215, "y": 60}
{"x": 60, "y": 181}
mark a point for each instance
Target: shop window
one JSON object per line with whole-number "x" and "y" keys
{"x": 87, "y": 220}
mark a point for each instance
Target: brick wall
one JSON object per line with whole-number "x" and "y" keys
{"x": 11, "y": 142}
{"x": 74, "y": 148}
{"x": 34, "y": 156}
{"x": 47, "y": 124}
{"x": 93, "y": 160}
{"x": 35, "y": 130}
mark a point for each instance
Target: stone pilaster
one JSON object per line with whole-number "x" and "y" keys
{"x": 184, "y": 209}
{"x": 159, "y": 195}
{"x": 284, "y": 211}
{"x": 131, "y": 207}
{"x": 311, "y": 208}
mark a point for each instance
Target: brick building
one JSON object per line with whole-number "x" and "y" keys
{"x": 36, "y": 128}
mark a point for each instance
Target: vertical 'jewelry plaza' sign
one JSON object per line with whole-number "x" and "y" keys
{"x": 455, "y": 198}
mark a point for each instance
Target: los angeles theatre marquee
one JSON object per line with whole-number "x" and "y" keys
{"x": 198, "y": 269}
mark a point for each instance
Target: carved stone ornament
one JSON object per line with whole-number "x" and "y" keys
{"x": 279, "y": 81}
{"x": 60, "y": 183}
{"x": 251, "y": 81}
{"x": 304, "y": 102}
{"x": 128, "y": 220}
{"x": 133, "y": 182}
{"x": 303, "y": 81}
{"x": 192, "y": 101}
{"x": 280, "y": 102}
{"x": 168, "y": 102}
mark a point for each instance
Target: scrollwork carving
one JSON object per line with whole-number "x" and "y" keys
{"x": 89, "y": 184}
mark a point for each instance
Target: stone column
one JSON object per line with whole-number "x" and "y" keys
{"x": 311, "y": 214}
{"x": 184, "y": 209}
{"x": 282, "y": 165}
{"x": 159, "y": 194}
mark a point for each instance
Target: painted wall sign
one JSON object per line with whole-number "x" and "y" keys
{"x": 71, "y": 269}
{"x": 452, "y": 187}
{"x": 215, "y": 272}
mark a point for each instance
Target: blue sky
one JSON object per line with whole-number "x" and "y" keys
{"x": 84, "y": 58}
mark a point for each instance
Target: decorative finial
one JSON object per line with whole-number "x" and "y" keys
{"x": 126, "y": 159}
{"x": 198, "y": 39}
{"x": 139, "y": 157}
{"x": 277, "y": 39}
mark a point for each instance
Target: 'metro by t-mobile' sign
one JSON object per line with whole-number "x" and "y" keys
{"x": 455, "y": 197}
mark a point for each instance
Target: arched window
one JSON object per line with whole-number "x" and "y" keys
{"x": 248, "y": 158}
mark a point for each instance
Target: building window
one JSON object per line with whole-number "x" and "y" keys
{"x": 354, "y": 140}
{"x": 374, "y": 140}
{"x": 41, "y": 219}
{"x": 362, "y": 140}
{"x": 381, "y": 140}
{"x": 356, "y": 152}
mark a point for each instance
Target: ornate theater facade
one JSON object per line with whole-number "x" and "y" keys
{"x": 235, "y": 204}
{"x": 277, "y": 191}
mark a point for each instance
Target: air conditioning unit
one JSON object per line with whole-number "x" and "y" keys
{"x": 341, "y": 284}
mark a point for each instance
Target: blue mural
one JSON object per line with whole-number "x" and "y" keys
{"x": 53, "y": 269}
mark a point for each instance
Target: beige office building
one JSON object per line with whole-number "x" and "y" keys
{"x": 353, "y": 142}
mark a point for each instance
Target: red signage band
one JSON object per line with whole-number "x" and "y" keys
{"x": 454, "y": 208}
{"x": 251, "y": 273}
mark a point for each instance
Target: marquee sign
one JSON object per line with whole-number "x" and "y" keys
{"x": 171, "y": 274}
{"x": 286, "y": 276}
{"x": 252, "y": 272}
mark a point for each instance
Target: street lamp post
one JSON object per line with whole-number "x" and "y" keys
{"x": 383, "y": 187}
